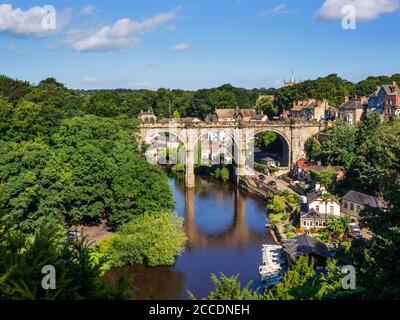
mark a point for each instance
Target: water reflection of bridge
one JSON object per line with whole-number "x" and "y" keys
{"x": 238, "y": 234}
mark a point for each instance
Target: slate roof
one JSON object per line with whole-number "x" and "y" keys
{"x": 232, "y": 113}
{"x": 352, "y": 105}
{"x": 388, "y": 90}
{"x": 225, "y": 113}
{"x": 315, "y": 194}
{"x": 315, "y": 214}
{"x": 364, "y": 199}
{"x": 305, "y": 245}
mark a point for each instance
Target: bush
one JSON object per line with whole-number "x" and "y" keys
{"x": 179, "y": 167}
{"x": 221, "y": 173}
{"x": 151, "y": 239}
{"x": 261, "y": 168}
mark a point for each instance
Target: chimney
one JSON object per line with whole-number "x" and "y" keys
{"x": 395, "y": 86}
{"x": 364, "y": 100}
{"x": 346, "y": 99}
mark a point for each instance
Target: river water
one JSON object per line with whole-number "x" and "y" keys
{"x": 225, "y": 229}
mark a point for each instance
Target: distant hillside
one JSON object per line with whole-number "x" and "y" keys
{"x": 188, "y": 103}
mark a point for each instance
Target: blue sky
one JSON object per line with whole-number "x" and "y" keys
{"x": 193, "y": 44}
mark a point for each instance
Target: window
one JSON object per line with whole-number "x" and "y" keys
{"x": 331, "y": 210}
{"x": 358, "y": 209}
{"x": 317, "y": 208}
{"x": 345, "y": 205}
{"x": 305, "y": 223}
{"x": 352, "y": 206}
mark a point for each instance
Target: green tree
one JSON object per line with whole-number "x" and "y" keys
{"x": 266, "y": 105}
{"x": 277, "y": 205}
{"x": 326, "y": 177}
{"x": 151, "y": 239}
{"x": 313, "y": 149}
{"x": 340, "y": 147}
{"x": 176, "y": 114}
{"x": 378, "y": 260}
{"x": 229, "y": 288}
{"x": 78, "y": 275}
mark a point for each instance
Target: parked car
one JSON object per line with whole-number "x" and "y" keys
{"x": 272, "y": 183}
{"x": 74, "y": 234}
{"x": 261, "y": 177}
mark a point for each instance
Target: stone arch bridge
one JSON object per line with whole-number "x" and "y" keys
{"x": 293, "y": 137}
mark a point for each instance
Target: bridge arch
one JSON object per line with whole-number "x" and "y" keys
{"x": 227, "y": 135}
{"x": 285, "y": 141}
{"x": 154, "y": 137}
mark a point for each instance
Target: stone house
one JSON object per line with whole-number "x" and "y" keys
{"x": 376, "y": 101}
{"x": 392, "y": 103}
{"x": 352, "y": 111}
{"x": 302, "y": 170}
{"x": 312, "y": 110}
{"x": 232, "y": 115}
{"x": 147, "y": 116}
{"x": 353, "y": 202}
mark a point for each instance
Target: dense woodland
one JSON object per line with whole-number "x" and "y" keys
{"x": 61, "y": 102}
{"x": 68, "y": 157}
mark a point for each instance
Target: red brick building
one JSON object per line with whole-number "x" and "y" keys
{"x": 392, "y": 102}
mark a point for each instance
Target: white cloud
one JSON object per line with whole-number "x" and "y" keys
{"x": 88, "y": 10}
{"x": 123, "y": 34}
{"x": 30, "y": 23}
{"x": 182, "y": 47}
{"x": 278, "y": 10}
{"x": 366, "y": 10}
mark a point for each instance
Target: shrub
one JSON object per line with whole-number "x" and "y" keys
{"x": 179, "y": 167}
{"x": 151, "y": 239}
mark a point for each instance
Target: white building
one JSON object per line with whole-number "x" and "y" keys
{"x": 318, "y": 209}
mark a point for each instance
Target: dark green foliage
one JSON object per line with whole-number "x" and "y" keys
{"x": 91, "y": 165}
{"x": 221, "y": 173}
{"x": 331, "y": 88}
{"x": 268, "y": 141}
{"x": 13, "y": 90}
{"x": 369, "y": 85}
{"x": 32, "y": 178}
{"x": 300, "y": 282}
{"x": 378, "y": 261}
{"x": 229, "y": 288}
{"x": 78, "y": 275}
{"x": 313, "y": 149}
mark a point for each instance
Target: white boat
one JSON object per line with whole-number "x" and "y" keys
{"x": 273, "y": 259}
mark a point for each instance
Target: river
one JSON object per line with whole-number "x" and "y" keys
{"x": 225, "y": 229}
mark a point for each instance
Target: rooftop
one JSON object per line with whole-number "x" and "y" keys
{"x": 364, "y": 199}
{"x": 305, "y": 245}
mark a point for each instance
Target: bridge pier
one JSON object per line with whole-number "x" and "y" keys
{"x": 189, "y": 161}
{"x": 189, "y": 169}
